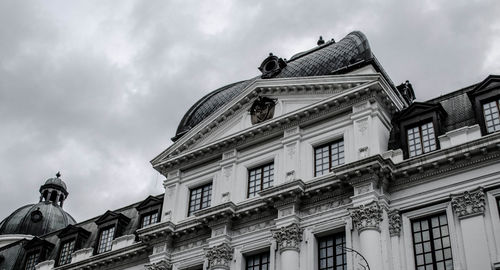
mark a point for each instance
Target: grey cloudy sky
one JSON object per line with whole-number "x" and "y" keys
{"x": 96, "y": 88}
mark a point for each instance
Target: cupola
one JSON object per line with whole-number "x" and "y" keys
{"x": 54, "y": 190}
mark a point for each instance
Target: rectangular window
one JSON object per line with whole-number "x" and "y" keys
{"x": 331, "y": 252}
{"x": 258, "y": 261}
{"x": 431, "y": 243}
{"x": 260, "y": 178}
{"x": 328, "y": 156}
{"x": 200, "y": 198}
{"x": 148, "y": 219}
{"x": 32, "y": 260}
{"x": 421, "y": 139}
{"x": 66, "y": 250}
{"x": 491, "y": 116}
{"x": 106, "y": 239}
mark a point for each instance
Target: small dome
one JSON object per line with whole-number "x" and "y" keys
{"x": 56, "y": 181}
{"x": 36, "y": 219}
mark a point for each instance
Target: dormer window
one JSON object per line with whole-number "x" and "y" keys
{"x": 105, "y": 239}
{"x": 37, "y": 250}
{"x": 150, "y": 210}
{"x": 421, "y": 139}
{"x": 491, "y": 115}
{"x": 72, "y": 239}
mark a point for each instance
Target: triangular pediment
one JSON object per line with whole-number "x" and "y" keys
{"x": 38, "y": 242}
{"x": 73, "y": 230}
{"x": 109, "y": 216}
{"x": 491, "y": 82}
{"x": 292, "y": 94}
{"x": 149, "y": 202}
{"x": 419, "y": 108}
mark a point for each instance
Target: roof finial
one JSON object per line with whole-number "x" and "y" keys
{"x": 320, "y": 41}
{"x": 58, "y": 174}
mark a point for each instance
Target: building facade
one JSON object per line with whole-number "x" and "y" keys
{"x": 320, "y": 162}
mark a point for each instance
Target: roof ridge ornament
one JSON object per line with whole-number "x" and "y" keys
{"x": 58, "y": 174}
{"x": 321, "y": 41}
{"x": 271, "y": 66}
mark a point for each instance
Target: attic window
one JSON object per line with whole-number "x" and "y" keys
{"x": 491, "y": 116}
{"x": 32, "y": 260}
{"x": 421, "y": 139}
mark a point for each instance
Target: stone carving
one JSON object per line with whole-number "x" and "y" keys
{"x": 394, "y": 223}
{"x": 290, "y": 176}
{"x": 219, "y": 256}
{"x": 291, "y": 150}
{"x": 325, "y": 206}
{"x": 469, "y": 203}
{"x": 367, "y": 216}
{"x": 226, "y": 197}
{"x": 363, "y": 126}
{"x": 364, "y": 152}
{"x": 160, "y": 265}
{"x": 227, "y": 171}
{"x": 262, "y": 109}
{"x": 288, "y": 237}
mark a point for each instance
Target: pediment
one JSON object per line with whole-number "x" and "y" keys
{"x": 38, "y": 242}
{"x": 110, "y": 216}
{"x": 149, "y": 202}
{"x": 73, "y": 230}
{"x": 419, "y": 108}
{"x": 491, "y": 82}
{"x": 292, "y": 94}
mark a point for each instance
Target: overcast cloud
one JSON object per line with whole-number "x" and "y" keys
{"x": 96, "y": 89}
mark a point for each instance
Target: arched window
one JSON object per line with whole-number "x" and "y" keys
{"x": 45, "y": 195}
{"x": 53, "y": 196}
{"x": 61, "y": 200}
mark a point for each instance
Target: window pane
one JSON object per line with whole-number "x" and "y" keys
{"x": 260, "y": 178}
{"x": 66, "y": 250}
{"x": 149, "y": 219}
{"x": 258, "y": 262}
{"x": 431, "y": 243}
{"x": 32, "y": 260}
{"x": 200, "y": 198}
{"x": 331, "y": 253}
{"x": 421, "y": 139}
{"x": 105, "y": 240}
{"x": 328, "y": 156}
{"x": 491, "y": 116}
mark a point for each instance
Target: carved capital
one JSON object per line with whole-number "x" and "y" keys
{"x": 288, "y": 237}
{"x": 394, "y": 223}
{"x": 367, "y": 217}
{"x": 160, "y": 265}
{"x": 219, "y": 256}
{"x": 469, "y": 203}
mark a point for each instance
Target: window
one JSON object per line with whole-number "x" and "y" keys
{"x": 498, "y": 205}
{"x": 328, "y": 156}
{"x": 258, "y": 261}
{"x": 431, "y": 243}
{"x": 260, "y": 178}
{"x": 105, "y": 239}
{"x": 491, "y": 116}
{"x": 148, "y": 219}
{"x": 421, "y": 139}
{"x": 66, "y": 250}
{"x": 331, "y": 255}
{"x": 32, "y": 260}
{"x": 200, "y": 198}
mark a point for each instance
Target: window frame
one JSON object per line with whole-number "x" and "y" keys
{"x": 36, "y": 251}
{"x": 149, "y": 214}
{"x": 419, "y": 126}
{"x": 432, "y": 239}
{"x": 332, "y": 236}
{"x": 202, "y": 187}
{"x": 482, "y": 102}
{"x": 61, "y": 248}
{"x": 98, "y": 243}
{"x": 261, "y": 168}
{"x": 260, "y": 255}
{"x": 329, "y": 144}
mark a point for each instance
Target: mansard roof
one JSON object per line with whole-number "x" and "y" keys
{"x": 329, "y": 58}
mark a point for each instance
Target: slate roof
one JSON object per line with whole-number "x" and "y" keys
{"x": 329, "y": 58}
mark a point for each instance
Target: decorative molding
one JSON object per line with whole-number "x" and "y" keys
{"x": 160, "y": 265}
{"x": 394, "y": 222}
{"x": 366, "y": 217}
{"x": 219, "y": 257}
{"x": 288, "y": 237}
{"x": 469, "y": 203}
{"x": 290, "y": 176}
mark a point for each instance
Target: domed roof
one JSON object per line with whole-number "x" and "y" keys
{"x": 56, "y": 181}
{"x": 326, "y": 59}
{"x": 36, "y": 219}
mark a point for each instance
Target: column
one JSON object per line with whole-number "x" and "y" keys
{"x": 366, "y": 219}
{"x": 288, "y": 239}
{"x": 469, "y": 207}
{"x": 394, "y": 232}
{"x": 219, "y": 257}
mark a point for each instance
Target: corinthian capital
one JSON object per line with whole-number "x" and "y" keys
{"x": 288, "y": 237}
{"x": 394, "y": 223}
{"x": 469, "y": 203}
{"x": 367, "y": 216}
{"x": 160, "y": 265}
{"x": 219, "y": 256}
